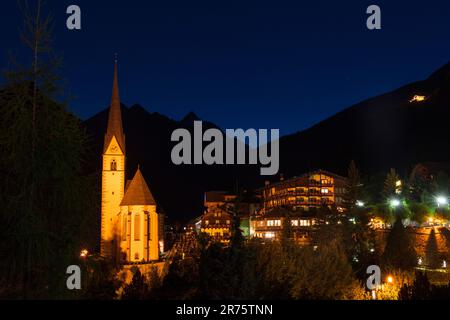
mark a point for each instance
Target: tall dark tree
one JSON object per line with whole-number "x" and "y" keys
{"x": 390, "y": 187}
{"x": 421, "y": 288}
{"x": 45, "y": 199}
{"x": 138, "y": 288}
{"x": 399, "y": 251}
{"x": 353, "y": 188}
{"x": 431, "y": 251}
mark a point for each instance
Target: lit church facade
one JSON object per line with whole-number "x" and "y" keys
{"x": 129, "y": 217}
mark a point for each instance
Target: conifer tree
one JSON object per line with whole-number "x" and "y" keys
{"x": 353, "y": 187}
{"x": 399, "y": 251}
{"x": 390, "y": 186}
{"x": 431, "y": 251}
{"x": 44, "y": 197}
{"x": 137, "y": 289}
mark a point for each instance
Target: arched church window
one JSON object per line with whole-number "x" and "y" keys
{"x": 137, "y": 227}
{"x": 113, "y": 165}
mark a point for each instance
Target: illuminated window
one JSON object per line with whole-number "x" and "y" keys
{"x": 137, "y": 227}
{"x": 228, "y": 221}
{"x": 324, "y": 190}
{"x": 270, "y": 235}
{"x": 217, "y": 221}
{"x": 305, "y": 223}
{"x": 294, "y": 223}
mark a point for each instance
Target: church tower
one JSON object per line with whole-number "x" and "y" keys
{"x": 113, "y": 175}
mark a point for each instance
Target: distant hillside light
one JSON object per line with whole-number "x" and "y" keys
{"x": 417, "y": 98}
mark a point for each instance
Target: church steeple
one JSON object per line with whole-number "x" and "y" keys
{"x": 115, "y": 116}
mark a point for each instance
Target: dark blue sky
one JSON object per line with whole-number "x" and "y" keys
{"x": 256, "y": 64}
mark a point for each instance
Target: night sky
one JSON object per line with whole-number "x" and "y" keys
{"x": 248, "y": 64}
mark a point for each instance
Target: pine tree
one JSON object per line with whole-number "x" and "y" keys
{"x": 431, "y": 251}
{"x": 390, "y": 184}
{"x": 399, "y": 251}
{"x": 353, "y": 188}
{"x": 137, "y": 289}
{"x": 44, "y": 197}
{"x": 421, "y": 288}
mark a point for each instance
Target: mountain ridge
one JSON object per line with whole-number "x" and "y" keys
{"x": 381, "y": 132}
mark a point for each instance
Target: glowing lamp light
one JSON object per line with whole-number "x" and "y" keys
{"x": 394, "y": 203}
{"x": 390, "y": 279}
{"x": 418, "y": 98}
{"x": 84, "y": 253}
{"x": 360, "y": 203}
{"x": 441, "y": 200}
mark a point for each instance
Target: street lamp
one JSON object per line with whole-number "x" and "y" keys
{"x": 394, "y": 203}
{"x": 360, "y": 203}
{"x": 390, "y": 279}
{"x": 84, "y": 253}
{"x": 441, "y": 200}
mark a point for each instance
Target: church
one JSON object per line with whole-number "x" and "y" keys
{"x": 130, "y": 223}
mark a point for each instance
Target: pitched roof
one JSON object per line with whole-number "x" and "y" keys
{"x": 115, "y": 116}
{"x": 137, "y": 192}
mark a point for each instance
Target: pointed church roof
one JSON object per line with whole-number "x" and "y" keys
{"x": 137, "y": 192}
{"x": 115, "y": 116}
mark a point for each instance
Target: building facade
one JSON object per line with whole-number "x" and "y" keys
{"x": 271, "y": 225}
{"x": 130, "y": 222}
{"x": 294, "y": 201}
{"x": 311, "y": 190}
{"x": 216, "y": 220}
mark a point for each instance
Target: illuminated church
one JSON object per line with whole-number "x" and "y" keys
{"x": 129, "y": 217}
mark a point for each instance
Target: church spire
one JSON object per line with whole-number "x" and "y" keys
{"x": 115, "y": 116}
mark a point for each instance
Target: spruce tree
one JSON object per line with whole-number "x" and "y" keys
{"x": 353, "y": 188}
{"x": 137, "y": 289}
{"x": 45, "y": 199}
{"x": 399, "y": 251}
{"x": 390, "y": 187}
{"x": 431, "y": 251}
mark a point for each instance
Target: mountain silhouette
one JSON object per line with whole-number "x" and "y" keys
{"x": 387, "y": 131}
{"x": 178, "y": 190}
